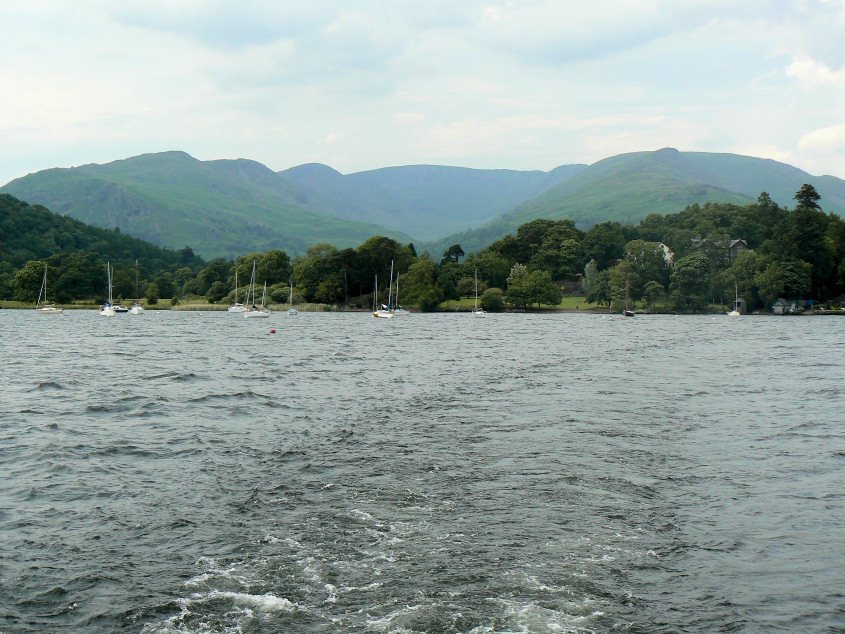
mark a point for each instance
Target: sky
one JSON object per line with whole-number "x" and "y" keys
{"x": 358, "y": 85}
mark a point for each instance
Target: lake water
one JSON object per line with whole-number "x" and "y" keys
{"x": 192, "y": 472}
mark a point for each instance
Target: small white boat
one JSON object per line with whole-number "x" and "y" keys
{"x": 292, "y": 312}
{"x": 256, "y": 312}
{"x": 477, "y": 312}
{"x": 108, "y": 309}
{"x": 137, "y": 309}
{"x": 390, "y": 310}
{"x": 735, "y": 312}
{"x": 627, "y": 312}
{"x": 46, "y": 309}
{"x": 120, "y": 309}
{"x": 237, "y": 307}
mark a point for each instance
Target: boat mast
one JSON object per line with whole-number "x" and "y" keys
{"x": 476, "y": 289}
{"x": 390, "y": 288}
{"x": 43, "y": 288}
{"x": 137, "y": 285}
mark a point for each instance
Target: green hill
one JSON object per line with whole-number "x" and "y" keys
{"x": 221, "y": 208}
{"x": 628, "y": 187}
{"x": 426, "y": 201}
{"x": 31, "y": 232}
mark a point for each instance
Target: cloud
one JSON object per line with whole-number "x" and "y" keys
{"x": 811, "y": 74}
{"x": 828, "y": 140}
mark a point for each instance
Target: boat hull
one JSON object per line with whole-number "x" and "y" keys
{"x": 49, "y": 310}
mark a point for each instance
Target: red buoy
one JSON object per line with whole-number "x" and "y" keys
{"x": 272, "y": 332}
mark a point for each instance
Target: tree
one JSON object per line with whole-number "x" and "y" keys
{"x": 374, "y": 256}
{"x": 217, "y": 271}
{"x": 689, "y": 280}
{"x": 652, "y": 292}
{"x": 492, "y": 300}
{"x": 273, "y": 267}
{"x": 492, "y": 267}
{"x": 516, "y": 292}
{"x": 164, "y": 280}
{"x": 152, "y": 294}
{"x": 604, "y": 243}
{"x": 591, "y": 269}
{"x": 807, "y": 197}
{"x": 452, "y": 254}
{"x": 214, "y": 294}
{"x": 542, "y": 289}
{"x": 419, "y": 285}
{"x": 320, "y": 273}
{"x": 28, "y": 281}
{"x": 648, "y": 263}
{"x": 466, "y": 287}
{"x": 599, "y": 288}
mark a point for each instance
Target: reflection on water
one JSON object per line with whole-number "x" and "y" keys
{"x": 530, "y": 473}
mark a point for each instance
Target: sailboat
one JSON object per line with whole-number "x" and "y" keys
{"x": 256, "y": 311}
{"x": 237, "y": 307}
{"x": 108, "y": 309}
{"x": 477, "y": 312}
{"x": 386, "y": 311}
{"x": 735, "y": 312}
{"x": 398, "y": 311}
{"x": 45, "y": 309}
{"x": 137, "y": 309}
{"x": 627, "y": 312}
{"x": 292, "y": 312}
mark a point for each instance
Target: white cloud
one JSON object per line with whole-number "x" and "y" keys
{"x": 484, "y": 83}
{"x": 811, "y": 73}
{"x": 828, "y": 140}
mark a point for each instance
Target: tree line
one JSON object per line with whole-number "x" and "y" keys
{"x": 682, "y": 261}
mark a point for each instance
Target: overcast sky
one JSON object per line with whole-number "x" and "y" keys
{"x": 365, "y": 84}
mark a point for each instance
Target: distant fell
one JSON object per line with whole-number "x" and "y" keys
{"x": 33, "y": 232}
{"x": 426, "y": 201}
{"x": 230, "y": 207}
{"x": 628, "y": 187}
{"x": 220, "y": 208}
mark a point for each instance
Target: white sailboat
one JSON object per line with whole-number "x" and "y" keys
{"x": 398, "y": 311}
{"x": 477, "y": 312}
{"x": 256, "y": 312}
{"x": 108, "y": 309}
{"x": 735, "y": 312}
{"x": 292, "y": 312}
{"x": 627, "y": 312}
{"x": 45, "y": 309}
{"x": 237, "y": 307}
{"x": 385, "y": 311}
{"x": 137, "y": 309}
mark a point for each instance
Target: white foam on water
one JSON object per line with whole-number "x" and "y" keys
{"x": 363, "y": 515}
{"x": 372, "y": 586}
{"x": 531, "y": 617}
{"x": 262, "y": 602}
{"x": 386, "y": 624}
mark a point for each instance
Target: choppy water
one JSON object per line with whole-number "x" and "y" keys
{"x": 524, "y": 473}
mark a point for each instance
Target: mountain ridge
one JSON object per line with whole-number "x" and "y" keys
{"x": 227, "y": 207}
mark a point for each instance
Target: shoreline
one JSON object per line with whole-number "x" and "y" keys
{"x": 210, "y": 308}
